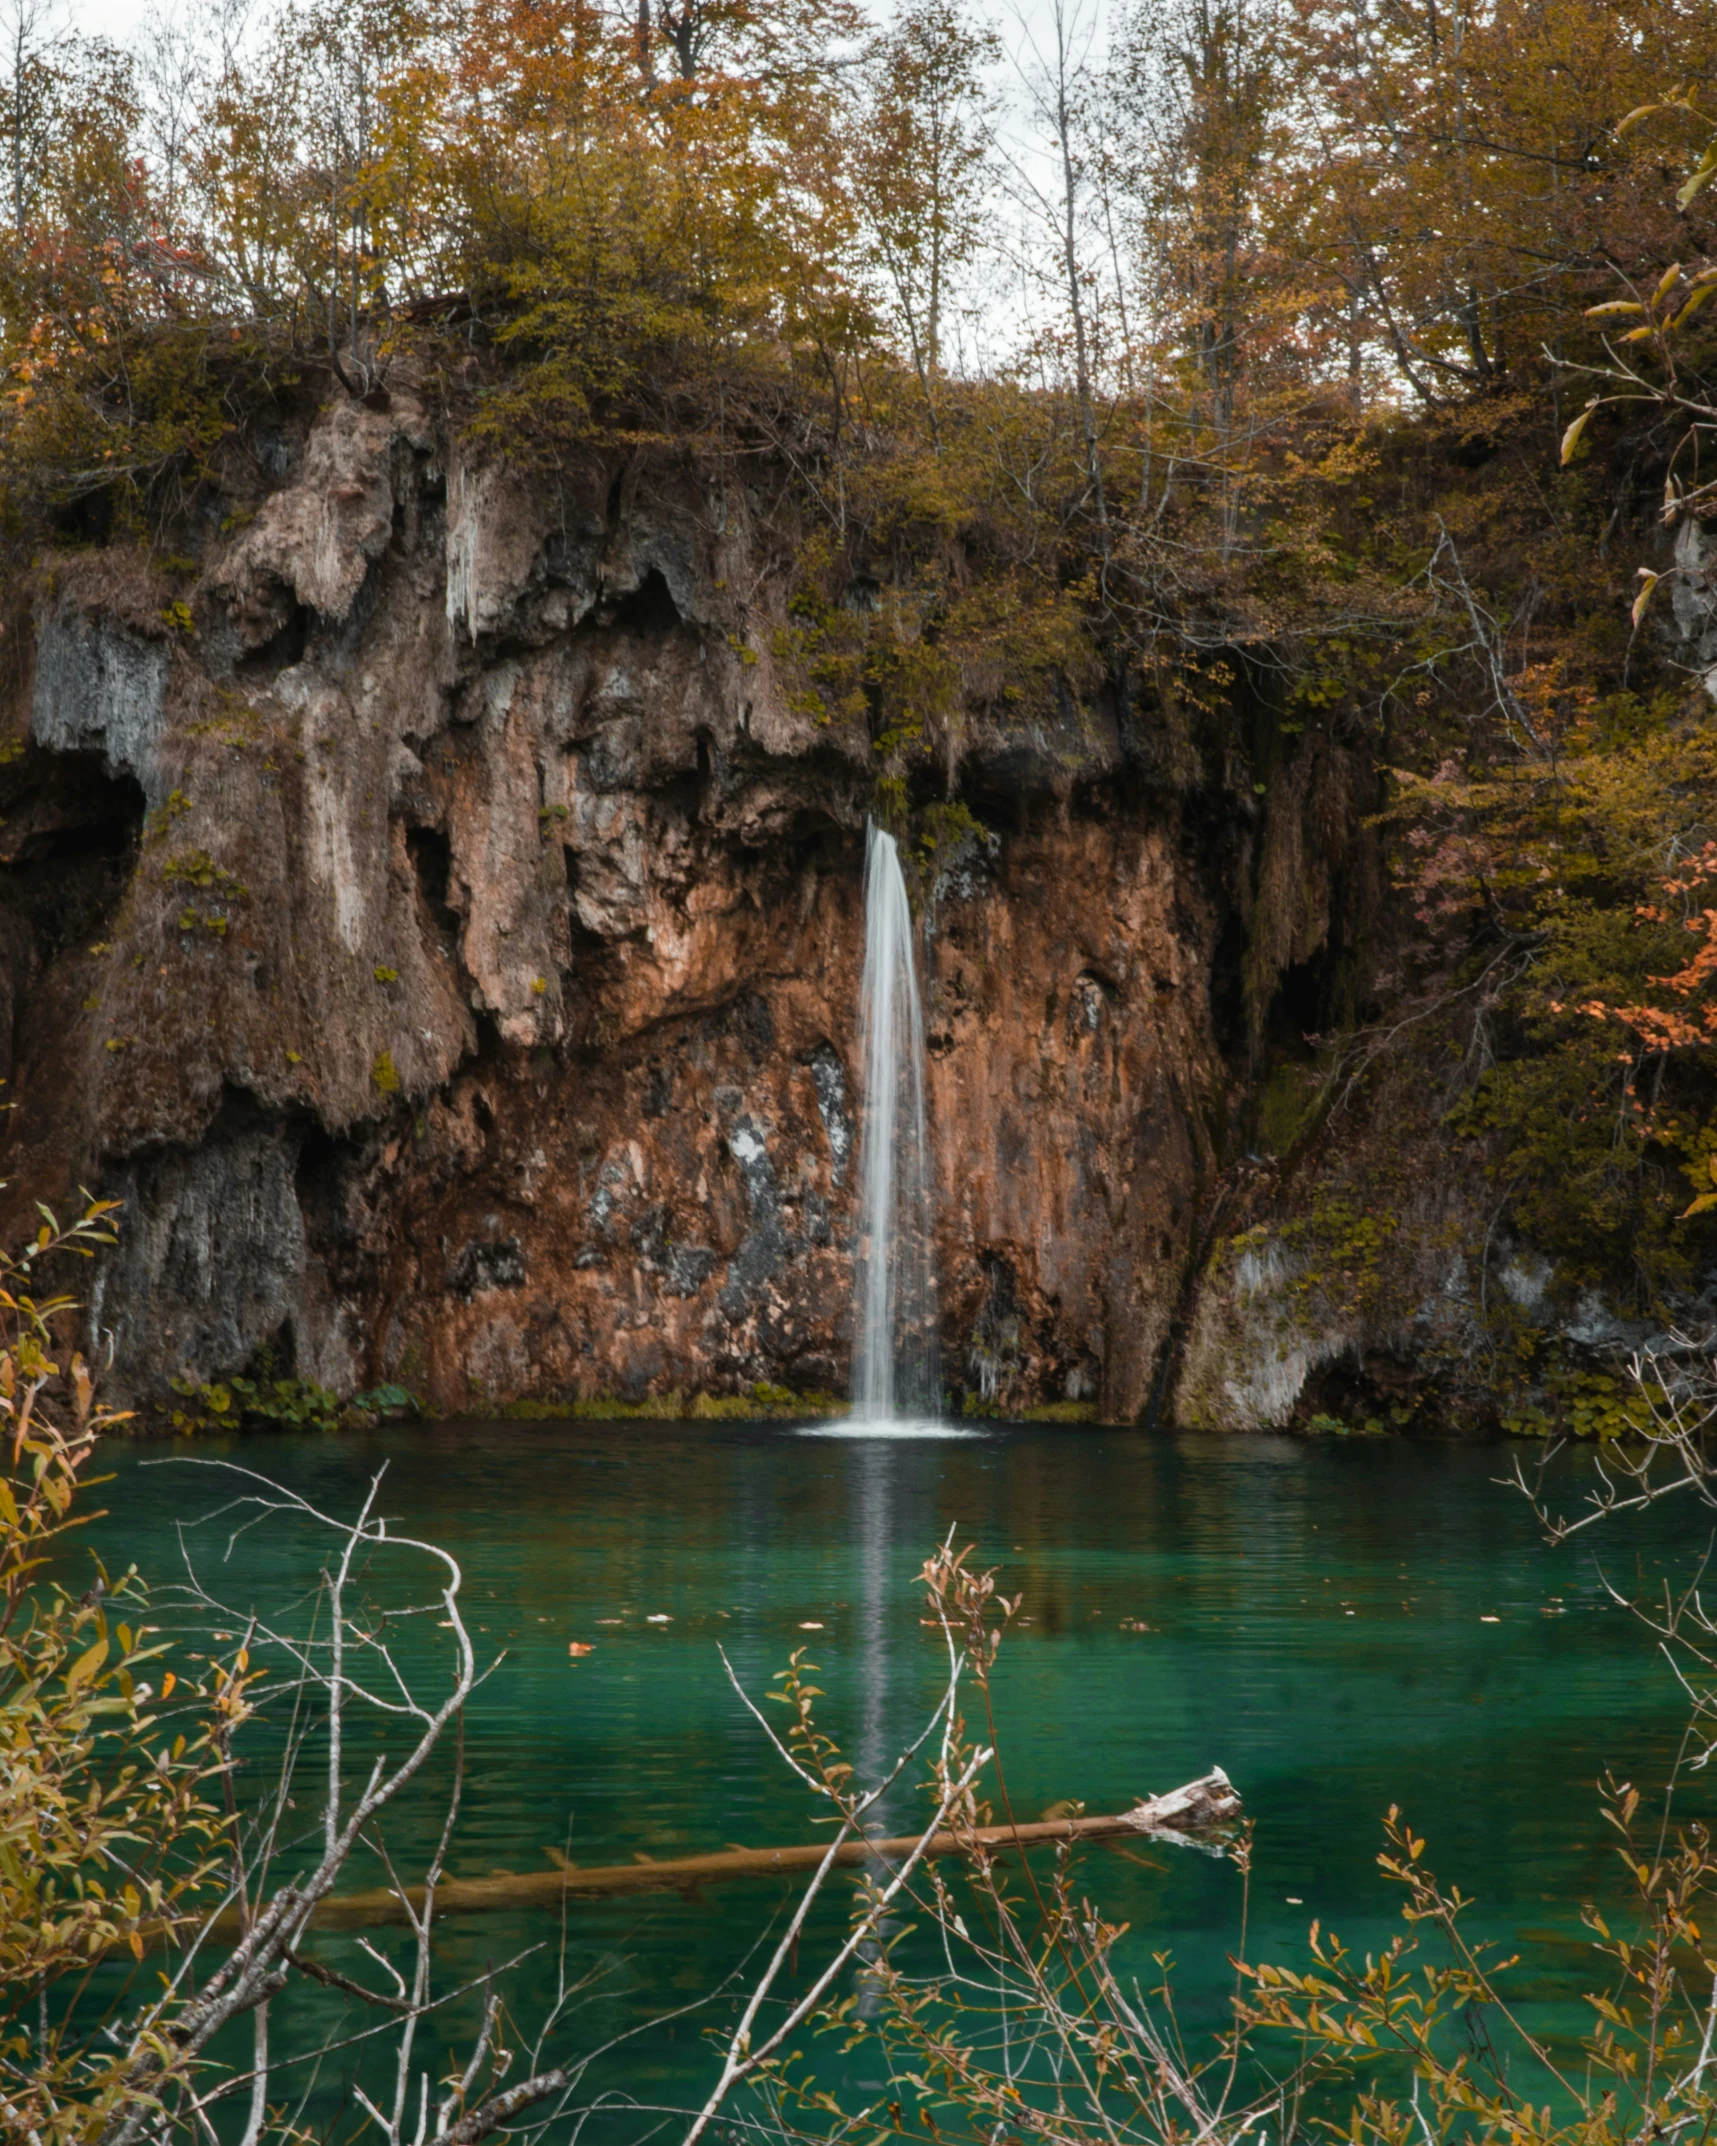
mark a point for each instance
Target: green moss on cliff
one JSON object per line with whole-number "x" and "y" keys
{"x": 751, "y": 1404}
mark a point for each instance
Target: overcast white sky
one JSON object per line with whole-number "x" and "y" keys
{"x": 118, "y": 19}
{"x": 125, "y": 20}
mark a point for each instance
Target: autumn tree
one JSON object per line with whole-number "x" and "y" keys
{"x": 628, "y": 227}
{"x": 32, "y": 51}
{"x": 68, "y": 105}
{"x": 1051, "y": 180}
{"x": 1473, "y": 177}
{"x": 366, "y": 80}
{"x": 1201, "y": 88}
{"x": 172, "y": 75}
{"x": 925, "y": 143}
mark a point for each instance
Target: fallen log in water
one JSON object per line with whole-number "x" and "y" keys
{"x": 1196, "y": 1815}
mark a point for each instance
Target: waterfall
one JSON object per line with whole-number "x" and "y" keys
{"x": 894, "y": 1300}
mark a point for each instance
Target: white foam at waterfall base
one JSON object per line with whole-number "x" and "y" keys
{"x": 895, "y": 1384}
{"x": 894, "y": 1427}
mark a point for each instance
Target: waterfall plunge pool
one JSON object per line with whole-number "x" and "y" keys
{"x": 1310, "y": 1616}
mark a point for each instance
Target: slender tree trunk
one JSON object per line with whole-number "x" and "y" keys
{"x": 18, "y": 41}
{"x": 1070, "y": 262}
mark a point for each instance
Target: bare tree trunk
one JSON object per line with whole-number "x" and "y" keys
{"x": 1200, "y": 1812}
{"x": 1064, "y": 124}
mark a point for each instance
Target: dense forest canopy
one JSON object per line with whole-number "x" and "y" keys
{"x": 1320, "y": 387}
{"x": 1199, "y": 205}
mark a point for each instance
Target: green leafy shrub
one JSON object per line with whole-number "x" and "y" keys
{"x": 248, "y": 1404}
{"x": 106, "y": 1830}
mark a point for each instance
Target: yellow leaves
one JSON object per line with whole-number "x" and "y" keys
{"x": 1705, "y": 1201}
{"x": 83, "y": 1816}
{"x": 1703, "y": 290}
{"x": 1648, "y": 582}
{"x": 86, "y": 1665}
{"x": 1640, "y": 112}
{"x": 1699, "y": 177}
{"x": 1571, "y": 438}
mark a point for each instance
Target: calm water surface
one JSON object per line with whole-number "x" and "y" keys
{"x": 1317, "y": 1625}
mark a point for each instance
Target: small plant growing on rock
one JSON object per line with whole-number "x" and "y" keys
{"x": 261, "y": 1403}
{"x": 196, "y": 868}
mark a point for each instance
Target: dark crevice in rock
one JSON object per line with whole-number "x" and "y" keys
{"x": 1301, "y": 1004}
{"x": 322, "y": 1159}
{"x": 1228, "y": 988}
{"x": 649, "y": 609}
{"x": 69, "y": 829}
{"x": 491, "y": 1054}
{"x": 69, "y": 832}
{"x": 282, "y": 649}
{"x": 432, "y": 861}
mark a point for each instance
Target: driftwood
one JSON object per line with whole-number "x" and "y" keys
{"x": 1198, "y": 1815}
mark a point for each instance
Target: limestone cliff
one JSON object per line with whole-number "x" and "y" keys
{"x": 433, "y": 906}
{"x": 436, "y": 916}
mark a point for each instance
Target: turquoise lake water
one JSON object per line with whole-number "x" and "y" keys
{"x": 1317, "y": 1623}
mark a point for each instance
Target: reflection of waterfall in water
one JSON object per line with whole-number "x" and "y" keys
{"x": 894, "y": 1363}
{"x": 873, "y": 1495}
{"x": 872, "y": 1490}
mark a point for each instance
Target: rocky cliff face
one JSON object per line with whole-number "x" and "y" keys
{"x": 437, "y": 916}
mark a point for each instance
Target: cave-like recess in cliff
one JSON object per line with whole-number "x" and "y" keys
{"x": 69, "y": 830}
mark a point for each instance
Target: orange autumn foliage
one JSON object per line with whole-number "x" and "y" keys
{"x": 1691, "y": 1021}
